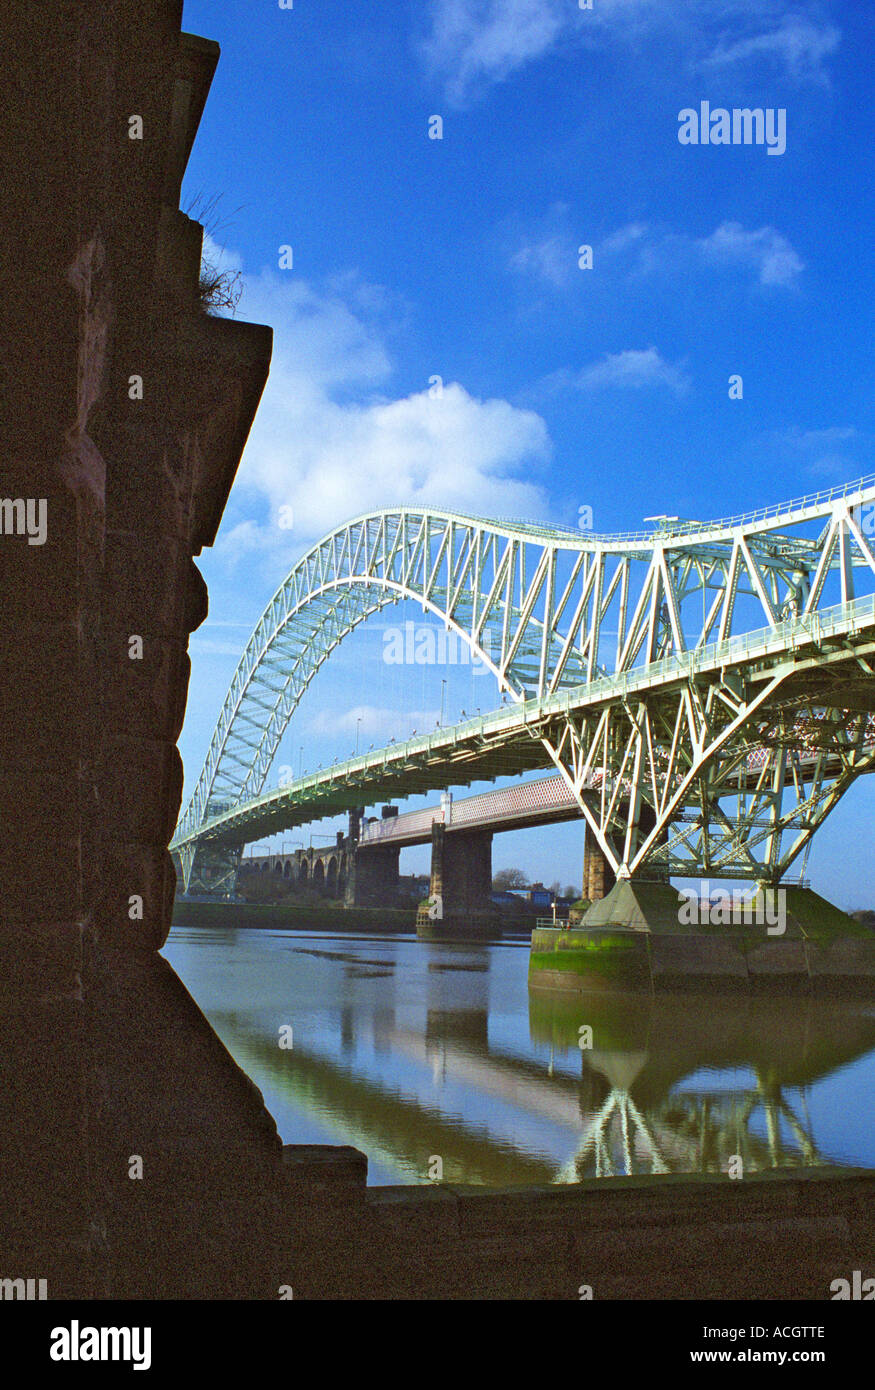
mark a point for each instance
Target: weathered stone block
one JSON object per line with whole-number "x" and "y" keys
{"x": 674, "y": 959}
{"x": 148, "y": 581}
{"x": 778, "y": 957}
{"x": 140, "y": 872}
{"x": 41, "y": 876}
{"x": 331, "y": 1173}
{"x": 851, "y": 959}
{"x": 197, "y": 599}
{"x": 41, "y": 960}
{"x": 147, "y": 695}
{"x": 420, "y": 1213}
{"x": 141, "y": 781}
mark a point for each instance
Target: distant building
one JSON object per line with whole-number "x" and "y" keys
{"x": 414, "y": 886}
{"x": 539, "y": 896}
{"x": 533, "y": 896}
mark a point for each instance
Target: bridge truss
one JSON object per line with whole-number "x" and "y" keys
{"x": 705, "y": 689}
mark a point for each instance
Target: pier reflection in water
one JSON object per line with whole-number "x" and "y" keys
{"x": 411, "y": 1051}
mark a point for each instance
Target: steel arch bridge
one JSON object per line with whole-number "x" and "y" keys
{"x": 718, "y": 673}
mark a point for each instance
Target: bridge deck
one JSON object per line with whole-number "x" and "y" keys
{"x": 507, "y": 808}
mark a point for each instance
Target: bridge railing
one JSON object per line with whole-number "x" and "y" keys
{"x": 684, "y": 529}
{"x": 411, "y": 822}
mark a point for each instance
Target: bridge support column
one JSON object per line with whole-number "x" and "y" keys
{"x": 373, "y": 878}
{"x": 460, "y": 891}
{"x": 652, "y": 871}
{"x": 214, "y": 871}
{"x": 598, "y": 876}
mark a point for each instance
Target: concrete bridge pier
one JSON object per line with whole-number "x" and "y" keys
{"x": 460, "y": 890}
{"x": 598, "y": 876}
{"x": 373, "y": 878}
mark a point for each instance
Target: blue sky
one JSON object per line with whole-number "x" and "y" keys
{"x": 564, "y": 387}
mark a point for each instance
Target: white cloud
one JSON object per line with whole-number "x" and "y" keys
{"x": 477, "y": 42}
{"x": 797, "y": 46}
{"x": 329, "y": 442}
{"x": 547, "y": 247}
{"x": 548, "y": 260}
{"x": 214, "y": 638}
{"x": 836, "y": 467}
{"x": 473, "y": 44}
{"x": 633, "y": 368}
{"x": 206, "y": 646}
{"x": 834, "y": 453}
{"x": 550, "y": 252}
{"x": 818, "y": 439}
{"x": 219, "y": 257}
{"x": 765, "y": 250}
{"x": 827, "y": 452}
{"x": 627, "y": 236}
{"x": 373, "y": 723}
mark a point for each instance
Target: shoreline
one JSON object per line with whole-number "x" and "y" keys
{"x": 363, "y": 921}
{"x": 368, "y": 920}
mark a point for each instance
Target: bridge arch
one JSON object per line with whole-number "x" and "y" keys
{"x": 331, "y": 877}
{"x": 479, "y": 578}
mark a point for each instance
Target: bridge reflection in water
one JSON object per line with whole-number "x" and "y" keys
{"x": 694, "y": 1085}
{"x": 411, "y": 1054}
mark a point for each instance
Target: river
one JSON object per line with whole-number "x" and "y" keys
{"x": 437, "y": 1061}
